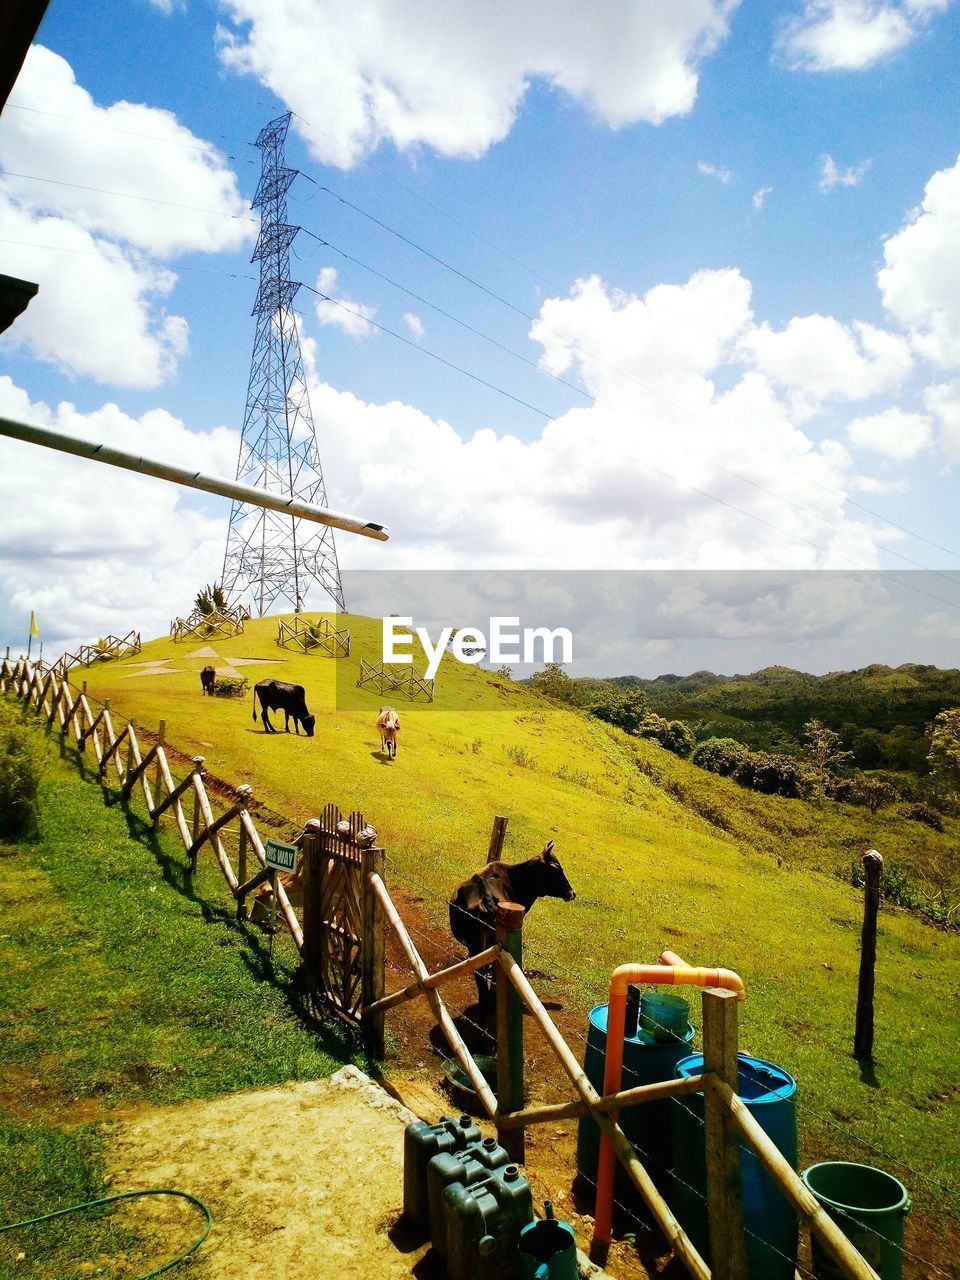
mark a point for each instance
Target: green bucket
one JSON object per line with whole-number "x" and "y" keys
{"x": 869, "y": 1206}
{"x": 664, "y": 1015}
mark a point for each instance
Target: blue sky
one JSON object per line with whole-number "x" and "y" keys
{"x": 734, "y": 228}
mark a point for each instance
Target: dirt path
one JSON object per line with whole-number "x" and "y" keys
{"x": 305, "y": 1182}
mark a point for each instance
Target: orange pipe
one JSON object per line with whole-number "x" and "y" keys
{"x": 672, "y": 973}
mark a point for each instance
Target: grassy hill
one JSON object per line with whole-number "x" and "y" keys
{"x": 660, "y": 853}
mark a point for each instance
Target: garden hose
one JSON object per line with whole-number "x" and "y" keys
{"x": 131, "y": 1195}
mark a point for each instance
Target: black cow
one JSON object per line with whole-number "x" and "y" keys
{"x": 208, "y": 678}
{"x": 277, "y": 695}
{"x": 473, "y": 908}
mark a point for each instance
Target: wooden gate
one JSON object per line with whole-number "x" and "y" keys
{"x": 343, "y": 924}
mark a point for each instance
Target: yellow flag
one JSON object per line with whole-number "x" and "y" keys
{"x": 34, "y": 628}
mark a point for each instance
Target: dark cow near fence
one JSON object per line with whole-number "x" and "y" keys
{"x": 278, "y": 695}
{"x": 208, "y": 678}
{"x": 473, "y": 908}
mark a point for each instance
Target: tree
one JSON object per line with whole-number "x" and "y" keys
{"x": 719, "y": 755}
{"x": 872, "y": 793}
{"x": 210, "y": 599}
{"x": 944, "y": 755}
{"x": 553, "y": 682}
{"x": 672, "y": 735}
{"x": 624, "y": 708}
{"x": 822, "y": 751}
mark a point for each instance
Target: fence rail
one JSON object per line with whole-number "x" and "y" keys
{"x": 387, "y": 678}
{"x": 306, "y": 637}
{"x": 105, "y": 650}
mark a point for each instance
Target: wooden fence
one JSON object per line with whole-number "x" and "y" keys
{"x": 341, "y": 938}
{"x": 105, "y": 650}
{"x": 206, "y": 626}
{"x": 346, "y": 909}
{"x": 387, "y": 678}
{"x": 307, "y": 637}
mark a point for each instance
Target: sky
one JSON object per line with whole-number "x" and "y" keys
{"x": 633, "y": 285}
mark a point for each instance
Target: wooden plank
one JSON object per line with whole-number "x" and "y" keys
{"x": 550, "y": 1112}
{"x": 497, "y": 837}
{"x": 372, "y": 960}
{"x": 289, "y": 915}
{"x": 724, "y": 1203}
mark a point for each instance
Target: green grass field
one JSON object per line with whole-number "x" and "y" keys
{"x": 124, "y": 981}
{"x": 679, "y": 858}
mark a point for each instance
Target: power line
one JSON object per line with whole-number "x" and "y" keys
{"x": 125, "y": 257}
{"x": 129, "y": 195}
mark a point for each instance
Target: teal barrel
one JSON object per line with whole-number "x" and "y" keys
{"x": 483, "y": 1225}
{"x": 421, "y": 1142}
{"x": 470, "y": 1165}
{"x": 869, "y": 1207}
{"x": 769, "y": 1093}
{"x": 646, "y": 1060}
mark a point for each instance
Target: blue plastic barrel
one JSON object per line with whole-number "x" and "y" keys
{"x": 771, "y": 1224}
{"x": 645, "y": 1061}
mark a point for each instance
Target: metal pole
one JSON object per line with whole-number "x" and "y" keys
{"x": 191, "y": 479}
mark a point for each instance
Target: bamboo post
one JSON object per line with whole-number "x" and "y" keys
{"x": 497, "y": 837}
{"x": 372, "y": 947}
{"x": 509, "y": 937}
{"x": 195, "y": 830}
{"x": 131, "y": 762}
{"x": 159, "y": 779}
{"x": 244, "y": 792}
{"x": 863, "y": 1032}
{"x": 724, "y": 1203}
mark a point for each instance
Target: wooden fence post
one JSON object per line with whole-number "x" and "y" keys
{"x": 509, "y": 1023}
{"x": 244, "y": 794}
{"x": 728, "y": 1259}
{"x": 372, "y": 946}
{"x": 863, "y": 1032}
{"x": 198, "y": 772}
{"x": 312, "y": 884}
{"x": 158, "y": 780}
{"x": 497, "y": 837}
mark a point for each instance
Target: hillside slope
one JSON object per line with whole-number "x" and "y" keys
{"x": 649, "y": 869}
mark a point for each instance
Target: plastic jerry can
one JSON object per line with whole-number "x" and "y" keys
{"x": 421, "y": 1142}
{"x": 484, "y": 1221}
{"x": 470, "y": 1165}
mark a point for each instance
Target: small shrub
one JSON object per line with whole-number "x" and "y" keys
{"x": 522, "y": 757}
{"x": 922, "y": 813}
{"x": 475, "y": 746}
{"x": 230, "y": 686}
{"x": 672, "y": 735}
{"x": 21, "y": 767}
{"x": 872, "y": 793}
{"x": 719, "y": 755}
{"x": 773, "y": 775}
{"x": 579, "y": 777}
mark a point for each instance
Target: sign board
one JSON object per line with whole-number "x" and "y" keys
{"x": 281, "y": 857}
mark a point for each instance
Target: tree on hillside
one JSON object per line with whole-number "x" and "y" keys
{"x": 822, "y": 751}
{"x": 553, "y": 682}
{"x": 673, "y": 735}
{"x": 210, "y": 599}
{"x": 944, "y": 755}
{"x": 624, "y": 708}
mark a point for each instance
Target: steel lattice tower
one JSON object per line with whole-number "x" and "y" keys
{"x": 269, "y": 555}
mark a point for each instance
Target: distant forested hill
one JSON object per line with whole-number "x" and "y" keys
{"x": 880, "y": 711}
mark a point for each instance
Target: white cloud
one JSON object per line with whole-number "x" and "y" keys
{"x": 452, "y": 75}
{"x": 822, "y": 359}
{"x": 759, "y": 197}
{"x": 832, "y": 176}
{"x": 341, "y": 311}
{"x": 711, "y": 171}
{"x": 941, "y": 626}
{"x": 100, "y": 310}
{"x": 872, "y": 484}
{"x": 414, "y": 324}
{"x": 108, "y": 147}
{"x": 94, "y": 549}
{"x": 920, "y": 281}
{"x": 895, "y": 433}
{"x": 851, "y": 35}
{"x": 944, "y": 403}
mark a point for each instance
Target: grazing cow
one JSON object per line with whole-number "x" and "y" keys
{"x": 473, "y": 908}
{"x": 388, "y": 722}
{"x": 208, "y": 678}
{"x": 277, "y": 695}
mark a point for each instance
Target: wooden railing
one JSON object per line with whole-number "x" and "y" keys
{"x": 402, "y": 680}
{"x": 307, "y": 637}
{"x": 224, "y": 622}
{"x": 106, "y": 650}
